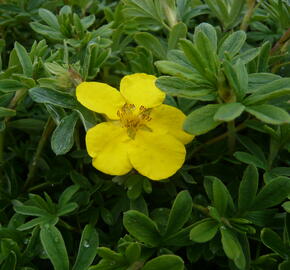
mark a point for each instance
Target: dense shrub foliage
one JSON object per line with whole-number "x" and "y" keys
{"x": 223, "y": 63}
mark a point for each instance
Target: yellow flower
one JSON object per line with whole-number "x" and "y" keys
{"x": 140, "y": 133}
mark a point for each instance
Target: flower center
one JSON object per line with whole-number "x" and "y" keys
{"x": 133, "y": 118}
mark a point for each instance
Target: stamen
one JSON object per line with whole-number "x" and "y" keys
{"x": 133, "y": 119}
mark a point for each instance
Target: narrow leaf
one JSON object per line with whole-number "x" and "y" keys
{"x": 165, "y": 262}
{"x": 272, "y": 194}
{"x": 53, "y": 97}
{"x": 201, "y": 120}
{"x": 269, "y": 114}
{"x": 141, "y": 227}
{"x": 5, "y": 112}
{"x": 87, "y": 248}
{"x": 151, "y": 43}
{"x": 62, "y": 138}
{"x": 248, "y": 188}
{"x": 180, "y": 212}
{"x": 54, "y": 247}
{"x": 232, "y": 44}
{"x": 273, "y": 241}
{"x": 229, "y": 111}
{"x": 24, "y": 59}
{"x": 204, "y": 231}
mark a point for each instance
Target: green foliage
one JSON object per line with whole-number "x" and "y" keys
{"x": 224, "y": 63}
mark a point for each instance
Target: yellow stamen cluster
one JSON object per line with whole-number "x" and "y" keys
{"x": 133, "y": 119}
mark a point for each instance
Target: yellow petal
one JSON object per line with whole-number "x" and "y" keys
{"x": 139, "y": 89}
{"x": 156, "y": 157}
{"x": 107, "y": 145}
{"x": 170, "y": 120}
{"x": 100, "y": 97}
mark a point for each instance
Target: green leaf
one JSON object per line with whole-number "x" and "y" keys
{"x": 219, "y": 9}
{"x": 177, "y": 32}
{"x": 272, "y": 194}
{"x": 27, "y": 124}
{"x": 107, "y": 216}
{"x": 148, "y": 11}
{"x": 9, "y": 85}
{"x": 5, "y": 112}
{"x": 230, "y": 243}
{"x": 53, "y": 244}
{"x": 38, "y": 221}
{"x": 66, "y": 196}
{"x": 274, "y": 88}
{"x": 228, "y": 112}
{"x": 269, "y": 83}
{"x": 49, "y": 18}
{"x": 180, "y": 212}
{"x": 201, "y": 120}
{"x": 237, "y": 77}
{"x": 204, "y": 231}
{"x": 286, "y": 206}
{"x": 235, "y": 13}
{"x": 273, "y": 241}
{"x": 53, "y": 97}
{"x": 65, "y": 129}
{"x": 88, "y": 21}
{"x": 165, "y": 262}
{"x": 263, "y": 59}
{"x": 258, "y": 99}
{"x": 260, "y": 80}
{"x": 174, "y": 86}
{"x": 151, "y": 43}
{"x": 175, "y": 69}
{"x": 200, "y": 62}
{"x": 10, "y": 261}
{"x": 133, "y": 252}
{"x": 29, "y": 210}
{"x": 248, "y": 188}
{"x": 112, "y": 256}
{"x": 284, "y": 265}
{"x": 207, "y": 52}
{"x": 209, "y": 31}
{"x": 247, "y": 55}
{"x": 221, "y": 196}
{"x": 47, "y": 31}
{"x": 250, "y": 159}
{"x": 269, "y": 114}
{"x": 252, "y": 147}
{"x": 87, "y": 248}
{"x": 179, "y": 239}
{"x": 141, "y": 227}
{"x": 232, "y": 247}
{"x": 232, "y": 44}
{"x": 24, "y": 59}
{"x": 67, "y": 209}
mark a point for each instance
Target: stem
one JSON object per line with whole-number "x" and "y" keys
{"x": 248, "y": 15}
{"x": 33, "y": 166}
{"x": 78, "y": 144}
{"x": 200, "y": 208}
{"x": 13, "y": 103}
{"x": 277, "y": 66}
{"x": 231, "y": 136}
{"x": 37, "y": 187}
{"x": 136, "y": 265}
{"x": 217, "y": 139}
{"x": 67, "y": 226}
{"x": 2, "y": 134}
{"x": 274, "y": 150}
{"x": 281, "y": 41}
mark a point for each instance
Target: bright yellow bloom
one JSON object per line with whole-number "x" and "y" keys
{"x": 140, "y": 133}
